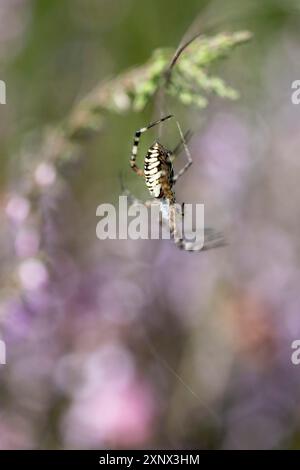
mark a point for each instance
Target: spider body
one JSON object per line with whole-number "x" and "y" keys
{"x": 159, "y": 173}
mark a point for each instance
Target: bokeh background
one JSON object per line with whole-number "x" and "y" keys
{"x": 135, "y": 344}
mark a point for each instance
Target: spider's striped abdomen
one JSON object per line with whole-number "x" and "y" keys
{"x": 158, "y": 171}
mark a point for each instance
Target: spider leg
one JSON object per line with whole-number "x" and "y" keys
{"x": 188, "y": 154}
{"x": 175, "y": 236}
{"x": 136, "y": 142}
{"x": 187, "y": 137}
{"x": 208, "y": 245}
{"x": 212, "y": 238}
{"x": 211, "y": 242}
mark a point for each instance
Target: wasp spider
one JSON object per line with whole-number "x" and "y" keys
{"x": 160, "y": 180}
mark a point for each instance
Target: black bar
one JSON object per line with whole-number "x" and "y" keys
{"x": 133, "y": 458}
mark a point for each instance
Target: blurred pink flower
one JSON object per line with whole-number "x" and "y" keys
{"x": 112, "y": 406}
{"x": 45, "y": 174}
{"x": 17, "y": 208}
{"x": 114, "y": 416}
{"x": 32, "y": 274}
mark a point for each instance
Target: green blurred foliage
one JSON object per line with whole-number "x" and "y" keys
{"x": 70, "y": 46}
